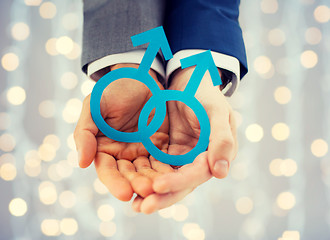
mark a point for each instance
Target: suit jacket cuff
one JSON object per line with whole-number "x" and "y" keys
{"x": 221, "y": 61}
{"x": 134, "y": 56}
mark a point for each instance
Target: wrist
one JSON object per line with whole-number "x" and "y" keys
{"x": 180, "y": 77}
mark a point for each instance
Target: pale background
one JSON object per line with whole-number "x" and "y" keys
{"x": 278, "y": 186}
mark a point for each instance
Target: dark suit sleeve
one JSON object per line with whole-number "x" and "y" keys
{"x": 109, "y": 25}
{"x": 206, "y": 24}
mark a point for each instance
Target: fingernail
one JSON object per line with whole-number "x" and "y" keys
{"x": 161, "y": 186}
{"x": 221, "y": 167}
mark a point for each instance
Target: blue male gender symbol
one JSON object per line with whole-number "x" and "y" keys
{"x": 157, "y": 40}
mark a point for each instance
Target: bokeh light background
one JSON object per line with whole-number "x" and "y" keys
{"x": 279, "y": 185}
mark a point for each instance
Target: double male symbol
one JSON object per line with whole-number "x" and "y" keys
{"x": 157, "y": 40}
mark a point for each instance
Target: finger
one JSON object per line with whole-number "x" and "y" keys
{"x": 107, "y": 171}
{"x": 84, "y": 135}
{"x": 159, "y": 166}
{"x": 156, "y": 201}
{"x": 141, "y": 185}
{"x": 136, "y": 205}
{"x": 187, "y": 177}
{"x": 221, "y": 146}
{"x": 142, "y": 166}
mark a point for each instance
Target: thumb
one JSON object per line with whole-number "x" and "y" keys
{"x": 84, "y": 136}
{"x": 222, "y": 144}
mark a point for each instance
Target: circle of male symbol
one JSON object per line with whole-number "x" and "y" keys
{"x": 203, "y": 61}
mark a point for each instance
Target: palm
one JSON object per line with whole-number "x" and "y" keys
{"x": 184, "y": 131}
{"x": 121, "y": 104}
{"x": 123, "y": 167}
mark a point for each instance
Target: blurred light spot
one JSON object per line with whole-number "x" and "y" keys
{"x": 72, "y": 158}
{"x": 286, "y": 200}
{"x": 8, "y": 171}
{"x": 319, "y": 148}
{"x": 288, "y": 167}
{"x": 47, "y": 10}
{"x": 17, "y": 207}
{"x": 269, "y": 6}
{"x": 32, "y": 2}
{"x": 313, "y": 35}
{"x": 280, "y": 131}
{"x": 50, "y": 227}
{"x": 253, "y": 227}
{"x": 47, "y": 152}
{"x": 291, "y": 235}
{"x": 244, "y": 205}
{"x": 16, "y": 95}
{"x": 70, "y": 142}
{"x": 47, "y": 109}
{"x": 309, "y": 59}
{"x": 322, "y": 14}
{"x": 72, "y": 110}
{"x": 87, "y": 87}
{"x": 20, "y": 31}
{"x": 67, "y": 199}
{"x": 238, "y": 171}
{"x": 51, "y": 47}
{"x": 32, "y": 167}
{"x": 99, "y": 187}
{"x": 282, "y": 95}
{"x": 75, "y": 52}
{"x": 279, "y": 212}
{"x": 276, "y": 37}
{"x": 166, "y": 212}
{"x": 64, "y": 169}
{"x": 238, "y": 118}
{"x": 64, "y": 45}
{"x": 262, "y": 65}
{"x": 279, "y": 167}
{"x": 69, "y": 226}
{"x": 254, "y": 133}
{"x": 275, "y": 167}
{"x": 10, "y": 61}
{"x": 192, "y": 231}
{"x": 108, "y": 229}
{"x": 106, "y": 213}
{"x": 180, "y": 212}
{"x": 53, "y": 174}
{"x": 47, "y": 193}
{"x": 4, "y": 121}
{"x": 53, "y": 140}
{"x": 7, "y": 142}
{"x": 70, "y": 21}
{"x": 32, "y": 154}
{"x": 7, "y": 157}
{"x": 69, "y": 80}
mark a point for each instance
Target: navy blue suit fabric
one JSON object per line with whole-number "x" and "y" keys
{"x": 206, "y": 24}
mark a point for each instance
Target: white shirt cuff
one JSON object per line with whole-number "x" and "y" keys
{"x": 221, "y": 60}
{"x": 134, "y": 56}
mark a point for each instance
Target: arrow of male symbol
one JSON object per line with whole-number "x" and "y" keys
{"x": 203, "y": 62}
{"x": 157, "y": 40}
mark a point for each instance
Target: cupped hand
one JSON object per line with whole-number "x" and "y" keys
{"x": 120, "y": 166}
{"x": 184, "y": 133}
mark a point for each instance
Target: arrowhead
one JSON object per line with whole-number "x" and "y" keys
{"x": 204, "y": 61}
{"x": 155, "y": 36}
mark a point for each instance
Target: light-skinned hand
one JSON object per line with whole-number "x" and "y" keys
{"x": 184, "y": 133}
